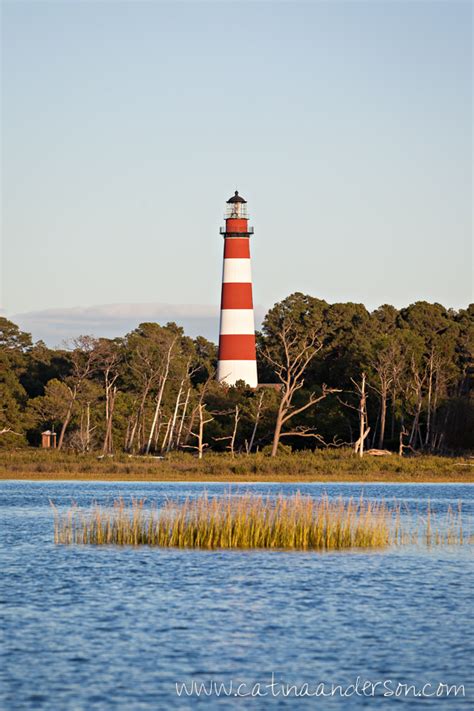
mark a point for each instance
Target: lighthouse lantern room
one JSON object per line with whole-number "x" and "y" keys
{"x": 237, "y": 355}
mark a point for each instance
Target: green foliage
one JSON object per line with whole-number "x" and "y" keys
{"x": 49, "y": 410}
{"x": 12, "y": 340}
{"x": 418, "y": 362}
{"x": 14, "y": 348}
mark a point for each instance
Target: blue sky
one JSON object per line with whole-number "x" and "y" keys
{"x": 126, "y": 126}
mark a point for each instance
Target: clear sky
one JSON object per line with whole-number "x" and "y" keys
{"x": 126, "y": 126}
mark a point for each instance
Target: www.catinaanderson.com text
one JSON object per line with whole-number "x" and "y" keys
{"x": 360, "y": 687}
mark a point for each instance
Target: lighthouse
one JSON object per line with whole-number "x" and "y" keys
{"x": 237, "y": 356}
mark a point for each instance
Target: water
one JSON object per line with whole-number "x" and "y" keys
{"x": 89, "y": 628}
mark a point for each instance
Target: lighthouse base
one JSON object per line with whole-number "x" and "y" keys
{"x": 230, "y": 371}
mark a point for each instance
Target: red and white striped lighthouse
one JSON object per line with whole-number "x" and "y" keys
{"x": 237, "y": 356}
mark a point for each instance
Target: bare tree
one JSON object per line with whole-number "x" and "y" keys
{"x": 90, "y": 394}
{"x": 177, "y": 405}
{"x": 84, "y": 358}
{"x": 361, "y": 408}
{"x": 183, "y": 416}
{"x": 85, "y": 430}
{"x": 258, "y": 413}
{"x": 398, "y": 366}
{"x": 146, "y": 376}
{"x": 188, "y": 373}
{"x": 199, "y": 435}
{"x": 364, "y": 428}
{"x": 167, "y": 431}
{"x": 402, "y": 445}
{"x": 112, "y": 357}
{"x": 290, "y": 360}
{"x": 6, "y": 430}
{"x": 195, "y": 411}
{"x": 384, "y": 370}
{"x": 416, "y": 384}
{"x": 149, "y": 371}
{"x": 161, "y": 389}
{"x": 231, "y": 445}
{"x": 438, "y": 383}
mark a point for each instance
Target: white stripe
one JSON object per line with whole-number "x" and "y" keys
{"x": 237, "y": 321}
{"x": 229, "y": 371}
{"x": 237, "y": 271}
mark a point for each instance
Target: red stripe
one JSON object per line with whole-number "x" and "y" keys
{"x": 241, "y": 347}
{"x": 236, "y": 296}
{"x": 237, "y": 248}
{"x": 233, "y": 224}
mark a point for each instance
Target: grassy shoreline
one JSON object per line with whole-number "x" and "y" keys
{"x": 320, "y": 466}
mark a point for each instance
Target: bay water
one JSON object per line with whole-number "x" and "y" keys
{"x": 88, "y": 628}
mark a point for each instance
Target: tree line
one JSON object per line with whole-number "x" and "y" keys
{"x": 332, "y": 375}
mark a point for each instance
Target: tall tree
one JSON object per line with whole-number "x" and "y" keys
{"x": 84, "y": 357}
{"x": 15, "y": 346}
{"x": 291, "y": 337}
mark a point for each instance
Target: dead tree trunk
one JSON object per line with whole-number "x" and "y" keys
{"x": 434, "y": 417}
{"x": 290, "y": 360}
{"x": 108, "y": 447}
{"x": 110, "y": 394}
{"x": 196, "y": 410}
{"x": 164, "y": 378}
{"x": 429, "y": 395}
{"x": 67, "y": 418}
{"x": 175, "y": 415}
{"x": 383, "y": 415}
{"x": 183, "y": 415}
{"x": 231, "y": 445}
{"x": 257, "y": 418}
{"x": 402, "y": 446}
{"x": 165, "y": 438}
{"x": 88, "y": 427}
{"x": 417, "y": 385}
{"x": 138, "y": 417}
{"x": 234, "y": 431}
{"x": 361, "y": 409}
{"x": 277, "y": 430}
{"x": 84, "y": 361}
{"x": 200, "y": 433}
{"x": 364, "y": 429}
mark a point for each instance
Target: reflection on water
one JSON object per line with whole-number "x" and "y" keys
{"x": 116, "y": 628}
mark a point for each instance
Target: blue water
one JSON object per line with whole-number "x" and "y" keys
{"x": 86, "y": 628}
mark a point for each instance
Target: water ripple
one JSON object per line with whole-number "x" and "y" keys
{"x": 115, "y": 628}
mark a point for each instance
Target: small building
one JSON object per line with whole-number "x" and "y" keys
{"x": 48, "y": 439}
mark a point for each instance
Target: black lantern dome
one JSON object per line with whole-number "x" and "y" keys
{"x": 236, "y": 198}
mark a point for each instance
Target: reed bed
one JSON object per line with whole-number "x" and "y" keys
{"x": 247, "y": 521}
{"x": 321, "y": 465}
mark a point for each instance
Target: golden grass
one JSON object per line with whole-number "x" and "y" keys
{"x": 321, "y": 465}
{"x": 247, "y": 521}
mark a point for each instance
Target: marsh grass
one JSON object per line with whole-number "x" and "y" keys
{"x": 321, "y": 465}
{"x": 296, "y": 522}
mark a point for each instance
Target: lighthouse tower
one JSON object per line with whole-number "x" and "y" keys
{"x": 237, "y": 357}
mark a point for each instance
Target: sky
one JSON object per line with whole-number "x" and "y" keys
{"x": 127, "y": 125}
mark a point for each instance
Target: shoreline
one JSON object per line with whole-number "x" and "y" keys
{"x": 223, "y": 479}
{"x": 322, "y": 466}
